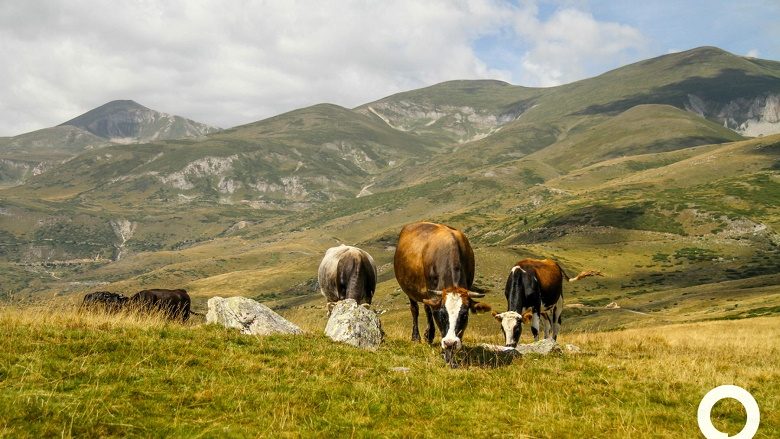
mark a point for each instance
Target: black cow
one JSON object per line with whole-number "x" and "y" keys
{"x": 174, "y": 304}
{"x": 104, "y": 300}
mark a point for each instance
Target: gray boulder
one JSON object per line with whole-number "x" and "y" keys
{"x": 354, "y": 324}
{"x": 248, "y": 316}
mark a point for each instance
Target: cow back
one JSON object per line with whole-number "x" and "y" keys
{"x": 538, "y": 284}
{"x": 174, "y": 303}
{"x": 105, "y": 300}
{"x": 432, "y": 256}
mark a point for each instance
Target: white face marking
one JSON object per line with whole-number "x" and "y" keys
{"x": 453, "y": 304}
{"x": 509, "y": 320}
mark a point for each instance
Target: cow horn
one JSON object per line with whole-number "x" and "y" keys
{"x": 475, "y": 295}
{"x": 435, "y": 292}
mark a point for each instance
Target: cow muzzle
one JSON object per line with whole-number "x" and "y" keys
{"x": 449, "y": 348}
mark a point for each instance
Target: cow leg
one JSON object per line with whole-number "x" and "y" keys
{"x": 415, "y": 309}
{"x": 547, "y": 325}
{"x": 557, "y": 318}
{"x": 431, "y": 331}
{"x": 535, "y": 326}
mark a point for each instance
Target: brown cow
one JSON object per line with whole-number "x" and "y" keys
{"x": 434, "y": 264}
{"x": 534, "y": 290}
{"x": 174, "y": 304}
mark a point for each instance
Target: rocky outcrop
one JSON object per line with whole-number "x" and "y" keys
{"x": 355, "y": 325}
{"x": 123, "y": 230}
{"x": 756, "y": 116}
{"x": 463, "y": 123}
{"x": 248, "y": 316}
{"x": 206, "y": 166}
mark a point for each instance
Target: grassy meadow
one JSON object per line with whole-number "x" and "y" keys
{"x": 95, "y": 375}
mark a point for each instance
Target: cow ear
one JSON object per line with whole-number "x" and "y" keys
{"x": 433, "y": 303}
{"x": 527, "y": 317}
{"x": 478, "y": 307}
{"x": 498, "y": 316}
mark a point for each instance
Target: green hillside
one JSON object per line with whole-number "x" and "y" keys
{"x": 26, "y": 155}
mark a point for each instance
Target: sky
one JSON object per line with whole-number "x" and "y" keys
{"x": 227, "y": 63}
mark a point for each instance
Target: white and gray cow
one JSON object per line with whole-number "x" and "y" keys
{"x": 347, "y": 272}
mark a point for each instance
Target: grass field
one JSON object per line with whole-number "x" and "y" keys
{"x": 68, "y": 374}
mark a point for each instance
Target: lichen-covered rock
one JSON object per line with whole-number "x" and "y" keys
{"x": 541, "y": 347}
{"x": 355, "y": 325}
{"x": 248, "y": 316}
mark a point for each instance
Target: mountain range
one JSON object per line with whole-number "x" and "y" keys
{"x": 662, "y": 173}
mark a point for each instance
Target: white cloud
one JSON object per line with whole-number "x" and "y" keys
{"x": 752, "y": 53}
{"x": 572, "y": 45}
{"x": 227, "y": 63}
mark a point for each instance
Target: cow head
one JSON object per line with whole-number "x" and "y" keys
{"x": 451, "y": 310}
{"x": 510, "y": 326}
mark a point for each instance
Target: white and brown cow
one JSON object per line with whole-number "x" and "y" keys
{"x": 347, "y": 272}
{"x": 434, "y": 264}
{"x": 534, "y": 292}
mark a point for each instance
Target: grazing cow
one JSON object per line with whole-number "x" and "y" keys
{"x": 347, "y": 273}
{"x": 434, "y": 264}
{"x": 104, "y": 300}
{"x": 174, "y": 304}
{"x": 534, "y": 290}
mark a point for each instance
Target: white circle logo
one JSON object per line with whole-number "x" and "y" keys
{"x": 722, "y": 392}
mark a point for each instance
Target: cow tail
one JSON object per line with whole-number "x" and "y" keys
{"x": 584, "y": 274}
{"x": 513, "y": 292}
{"x": 563, "y": 272}
{"x": 355, "y": 278}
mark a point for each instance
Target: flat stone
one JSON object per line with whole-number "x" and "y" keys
{"x": 541, "y": 347}
{"x": 248, "y": 316}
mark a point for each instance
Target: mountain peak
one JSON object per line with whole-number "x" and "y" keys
{"x": 127, "y": 121}
{"x": 122, "y": 104}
